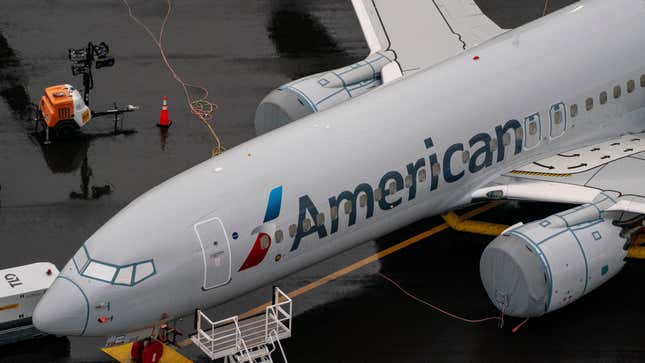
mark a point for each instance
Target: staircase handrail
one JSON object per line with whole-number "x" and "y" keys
{"x": 276, "y": 339}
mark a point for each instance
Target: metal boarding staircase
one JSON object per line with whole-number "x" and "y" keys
{"x": 251, "y": 340}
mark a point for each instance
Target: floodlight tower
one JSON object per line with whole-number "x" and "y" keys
{"x": 97, "y": 55}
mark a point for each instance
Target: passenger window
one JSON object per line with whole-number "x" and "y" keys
{"x": 348, "y": 207}
{"x": 643, "y": 80}
{"x": 378, "y": 194}
{"x": 493, "y": 145}
{"x": 333, "y": 213}
{"x": 519, "y": 133}
{"x": 422, "y": 175}
{"x": 603, "y": 97}
{"x": 557, "y": 117}
{"x": 436, "y": 169}
{"x": 320, "y": 219}
{"x": 279, "y": 236}
{"x": 124, "y": 277}
{"x": 408, "y": 181}
{"x": 630, "y": 86}
{"x": 617, "y": 91}
{"x": 363, "y": 200}
{"x": 100, "y": 271}
{"x": 465, "y": 156}
{"x": 306, "y": 225}
{"x": 533, "y": 128}
{"x": 143, "y": 271}
{"x": 265, "y": 240}
{"x": 574, "y": 110}
{"x": 292, "y": 230}
{"x": 589, "y": 104}
{"x": 392, "y": 187}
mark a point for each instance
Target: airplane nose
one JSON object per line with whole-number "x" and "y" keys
{"x": 63, "y": 310}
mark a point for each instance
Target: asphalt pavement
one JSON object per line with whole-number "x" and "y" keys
{"x": 53, "y": 197}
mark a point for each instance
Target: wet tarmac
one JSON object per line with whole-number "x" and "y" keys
{"x": 53, "y": 197}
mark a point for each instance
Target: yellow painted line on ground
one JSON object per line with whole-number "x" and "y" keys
{"x": 9, "y": 307}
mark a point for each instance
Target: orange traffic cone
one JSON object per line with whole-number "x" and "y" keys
{"x": 163, "y": 117}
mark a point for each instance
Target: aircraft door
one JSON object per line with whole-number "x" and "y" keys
{"x": 558, "y": 116}
{"x": 216, "y": 252}
{"x": 532, "y": 131}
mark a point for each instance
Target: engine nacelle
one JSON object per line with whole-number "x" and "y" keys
{"x": 323, "y": 90}
{"x": 542, "y": 266}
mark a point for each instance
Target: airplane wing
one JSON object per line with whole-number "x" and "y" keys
{"x": 423, "y": 32}
{"x": 614, "y": 168}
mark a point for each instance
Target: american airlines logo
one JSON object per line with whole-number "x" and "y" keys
{"x": 480, "y": 150}
{"x": 265, "y": 231}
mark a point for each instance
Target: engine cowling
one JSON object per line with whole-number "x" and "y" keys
{"x": 542, "y": 266}
{"x": 321, "y": 91}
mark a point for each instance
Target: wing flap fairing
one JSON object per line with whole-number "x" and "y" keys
{"x": 614, "y": 167}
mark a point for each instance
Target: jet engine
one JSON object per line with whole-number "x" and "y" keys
{"x": 536, "y": 268}
{"x": 324, "y": 90}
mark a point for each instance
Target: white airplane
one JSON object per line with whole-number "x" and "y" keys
{"x": 452, "y": 110}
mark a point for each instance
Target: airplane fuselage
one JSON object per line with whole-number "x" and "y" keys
{"x": 323, "y": 184}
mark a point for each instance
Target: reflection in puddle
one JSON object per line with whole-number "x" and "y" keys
{"x": 298, "y": 35}
{"x": 64, "y": 156}
{"x": 12, "y": 80}
{"x": 163, "y": 136}
{"x": 97, "y": 191}
{"x": 67, "y": 156}
{"x": 46, "y": 349}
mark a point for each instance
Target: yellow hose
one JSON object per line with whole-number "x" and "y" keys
{"x": 458, "y": 224}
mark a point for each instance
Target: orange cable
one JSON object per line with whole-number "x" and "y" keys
{"x": 472, "y": 321}
{"x": 519, "y": 326}
{"x": 201, "y": 107}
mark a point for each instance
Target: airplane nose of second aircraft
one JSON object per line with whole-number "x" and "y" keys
{"x": 63, "y": 310}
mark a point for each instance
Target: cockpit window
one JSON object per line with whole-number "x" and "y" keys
{"x": 143, "y": 271}
{"x": 100, "y": 271}
{"x": 126, "y": 275}
{"x": 81, "y": 258}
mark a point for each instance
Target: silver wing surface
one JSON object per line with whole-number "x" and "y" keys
{"x": 423, "y": 32}
{"x": 614, "y": 168}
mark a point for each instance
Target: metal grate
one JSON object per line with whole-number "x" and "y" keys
{"x": 250, "y": 340}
